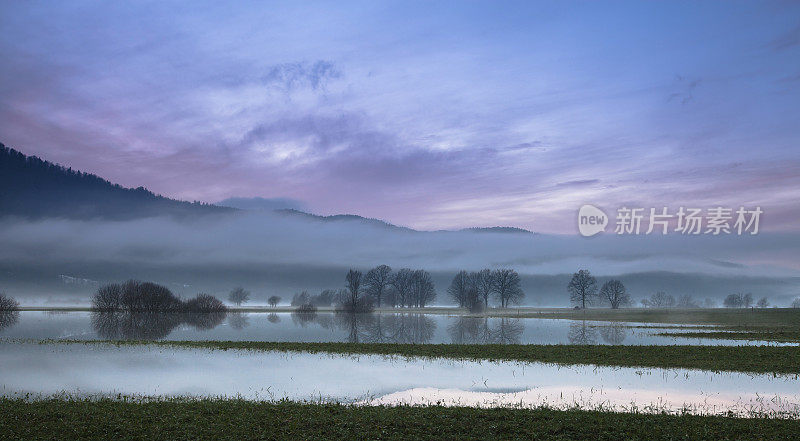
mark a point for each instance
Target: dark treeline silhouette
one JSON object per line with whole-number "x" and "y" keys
{"x": 35, "y": 188}
{"x": 134, "y": 296}
{"x": 473, "y": 290}
{"x": 378, "y": 287}
{"x": 136, "y": 310}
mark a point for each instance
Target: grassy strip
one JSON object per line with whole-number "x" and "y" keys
{"x": 767, "y": 318}
{"x": 754, "y": 359}
{"x": 237, "y": 420}
{"x": 776, "y": 336}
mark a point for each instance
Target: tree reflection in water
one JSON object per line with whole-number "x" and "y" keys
{"x": 582, "y": 334}
{"x": 273, "y": 318}
{"x": 614, "y": 334}
{"x": 238, "y": 320}
{"x": 8, "y": 319}
{"x": 477, "y": 330}
{"x": 149, "y": 325}
{"x": 373, "y": 327}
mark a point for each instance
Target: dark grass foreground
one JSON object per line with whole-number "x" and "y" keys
{"x": 241, "y": 420}
{"x": 753, "y": 359}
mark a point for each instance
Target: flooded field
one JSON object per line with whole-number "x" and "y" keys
{"x": 330, "y": 327}
{"x": 107, "y": 370}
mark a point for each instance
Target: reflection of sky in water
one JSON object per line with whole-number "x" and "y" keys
{"x": 158, "y": 371}
{"x": 388, "y": 328}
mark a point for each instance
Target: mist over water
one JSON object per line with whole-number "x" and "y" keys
{"x": 62, "y": 261}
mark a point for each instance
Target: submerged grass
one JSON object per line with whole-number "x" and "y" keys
{"x": 58, "y": 419}
{"x": 779, "y": 336}
{"x": 752, "y": 359}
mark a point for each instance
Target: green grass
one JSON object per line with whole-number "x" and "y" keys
{"x": 58, "y": 419}
{"x": 787, "y": 336}
{"x": 753, "y": 359}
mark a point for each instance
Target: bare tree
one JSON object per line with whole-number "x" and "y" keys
{"x": 506, "y": 285}
{"x": 238, "y": 296}
{"x": 402, "y": 282}
{"x": 582, "y": 288}
{"x": 483, "y": 281}
{"x": 738, "y": 300}
{"x": 301, "y": 298}
{"x": 686, "y": 301}
{"x": 796, "y": 303}
{"x": 615, "y": 294}
{"x": 353, "y": 285}
{"x": 205, "y": 303}
{"x": 423, "y": 290}
{"x": 108, "y": 298}
{"x": 459, "y": 288}
{"x": 376, "y": 282}
{"x": 273, "y": 301}
{"x": 763, "y": 302}
{"x": 659, "y": 300}
{"x": 7, "y": 303}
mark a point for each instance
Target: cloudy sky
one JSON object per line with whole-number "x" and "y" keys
{"x": 429, "y": 115}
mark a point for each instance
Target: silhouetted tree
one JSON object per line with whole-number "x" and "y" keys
{"x": 796, "y": 303}
{"x": 763, "y": 302}
{"x": 205, "y": 303}
{"x": 376, "y": 282}
{"x": 506, "y": 286}
{"x": 686, "y": 301}
{"x": 238, "y": 296}
{"x": 459, "y": 287}
{"x": 423, "y": 290}
{"x": 615, "y": 294}
{"x": 301, "y": 298}
{"x": 659, "y": 300}
{"x": 8, "y": 303}
{"x": 273, "y": 301}
{"x": 108, "y": 298}
{"x": 402, "y": 282}
{"x": 9, "y": 311}
{"x": 738, "y": 300}
{"x": 353, "y": 285}
{"x": 324, "y": 298}
{"x": 148, "y": 297}
{"x": 582, "y": 288}
{"x": 483, "y": 281}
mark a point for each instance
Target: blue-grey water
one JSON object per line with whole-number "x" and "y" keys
{"x": 35, "y": 370}
{"x": 332, "y": 327}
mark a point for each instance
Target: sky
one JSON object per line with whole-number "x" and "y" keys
{"x": 430, "y": 115}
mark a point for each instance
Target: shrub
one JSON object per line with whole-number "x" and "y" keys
{"x": 204, "y": 303}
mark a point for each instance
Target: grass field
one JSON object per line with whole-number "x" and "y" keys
{"x": 58, "y": 419}
{"x": 753, "y": 359}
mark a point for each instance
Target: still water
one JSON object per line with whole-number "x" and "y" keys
{"x": 331, "y": 327}
{"x": 107, "y": 370}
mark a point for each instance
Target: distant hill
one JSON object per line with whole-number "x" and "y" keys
{"x": 34, "y": 188}
{"x": 386, "y": 225}
{"x": 342, "y": 218}
{"x": 498, "y": 230}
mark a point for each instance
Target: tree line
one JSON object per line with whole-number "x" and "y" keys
{"x": 136, "y": 296}
{"x": 473, "y": 290}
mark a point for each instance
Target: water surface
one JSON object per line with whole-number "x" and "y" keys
{"x": 331, "y": 327}
{"x": 107, "y": 370}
